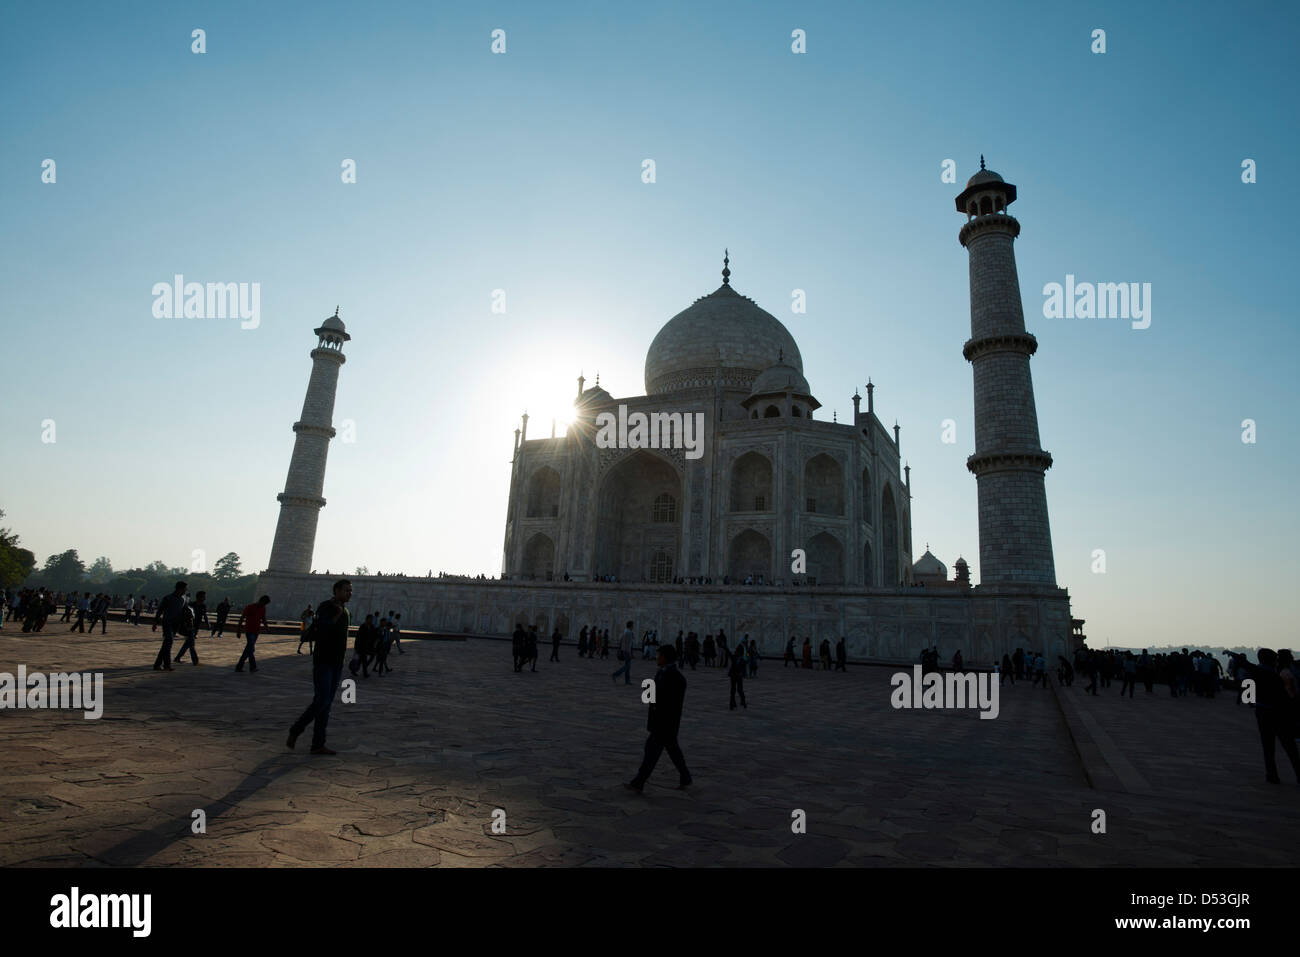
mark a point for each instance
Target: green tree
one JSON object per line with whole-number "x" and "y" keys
{"x": 128, "y": 584}
{"x": 65, "y": 572}
{"x": 15, "y": 563}
{"x": 100, "y": 571}
{"x": 227, "y": 567}
{"x": 158, "y": 568}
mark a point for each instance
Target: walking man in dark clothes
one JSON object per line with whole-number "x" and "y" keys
{"x": 555, "y": 645}
{"x": 381, "y": 640}
{"x": 200, "y": 607}
{"x": 530, "y": 648}
{"x": 99, "y": 614}
{"x": 83, "y": 606}
{"x": 326, "y": 666}
{"x": 251, "y": 620}
{"x": 841, "y": 656}
{"x": 737, "y": 674}
{"x": 199, "y": 610}
{"x": 363, "y": 648}
{"x": 517, "y": 642}
{"x": 1272, "y": 711}
{"x": 223, "y": 610}
{"x": 171, "y": 611}
{"x": 664, "y": 720}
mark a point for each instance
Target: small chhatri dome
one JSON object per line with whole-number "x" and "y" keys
{"x": 334, "y": 326}
{"x": 927, "y": 564}
{"x": 984, "y": 176}
{"x": 988, "y": 182}
{"x": 780, "y": 378}
{"x": 721, "y": 330}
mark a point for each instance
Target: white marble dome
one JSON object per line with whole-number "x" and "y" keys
{"x": 928, "y": 565}
{"x": 721, "y": 330}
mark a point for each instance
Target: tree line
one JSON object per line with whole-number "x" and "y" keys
{"x": 66, "y": 571}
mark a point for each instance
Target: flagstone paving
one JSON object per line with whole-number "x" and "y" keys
{"x": 428, "y": 752}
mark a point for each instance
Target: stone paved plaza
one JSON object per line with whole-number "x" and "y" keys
{"x": 429, "y": 751}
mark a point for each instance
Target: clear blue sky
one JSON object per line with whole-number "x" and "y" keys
{"x": 522, "y": 172}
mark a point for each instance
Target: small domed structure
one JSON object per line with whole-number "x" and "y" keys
{"x": 784, "y": 384}
{"x": 961, "y": 570}
{"x": 984, "y": 176}
{"x": 929, "y": 567}
{"x": 985, "y": 192}
{"x": 332, "y": 332}
{"x": 780, "y": 378}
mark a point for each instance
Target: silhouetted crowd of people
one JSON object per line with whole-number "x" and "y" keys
{"x": 377, "y": 637}
{"x": 1179, "y": 671}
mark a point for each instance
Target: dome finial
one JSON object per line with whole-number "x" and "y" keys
{"x": 726, "y": 271}
{"x": 336, "y": 312}
{"x": 981, "y": 161}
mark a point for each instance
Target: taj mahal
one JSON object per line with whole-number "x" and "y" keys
{"x": 769, "y": 522}
{"x": 767, "y": 479}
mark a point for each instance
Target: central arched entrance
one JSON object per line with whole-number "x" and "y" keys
{"x": 751, "y": 556}
{"x": 539, "y": 559}
{"x": 639, "y": 520}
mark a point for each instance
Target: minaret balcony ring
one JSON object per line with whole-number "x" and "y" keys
{"x": 989, "y": 222}
{"x": 322, "y": 430}
{"x": 307, "y": 501}
{"x": 983, "y": 463}
{"x": 1022, "y": 343}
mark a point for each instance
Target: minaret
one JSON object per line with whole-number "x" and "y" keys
{"x": 1015, "y": 540}
{"x": 301, "y": 501}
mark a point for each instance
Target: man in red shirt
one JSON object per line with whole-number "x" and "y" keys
{"x": 251, "y": 620}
